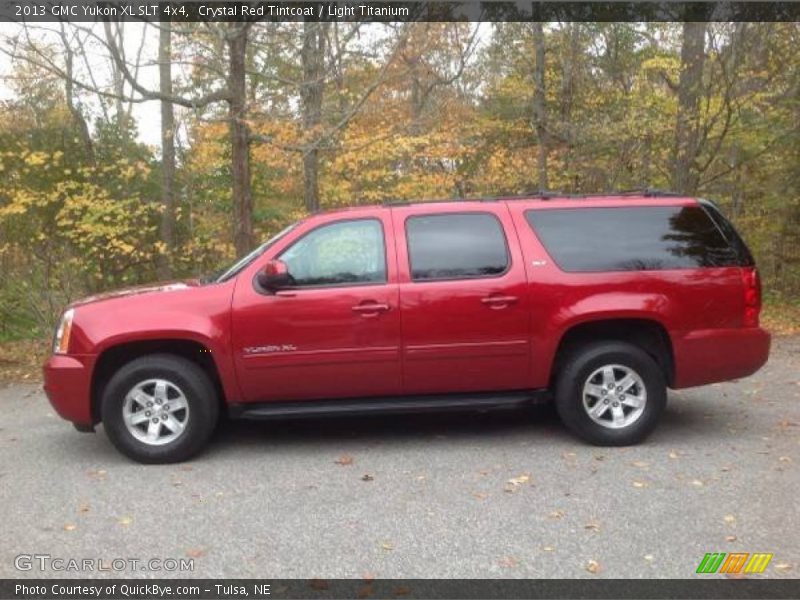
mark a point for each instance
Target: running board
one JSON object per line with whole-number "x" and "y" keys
{"x": 389, "y": 405}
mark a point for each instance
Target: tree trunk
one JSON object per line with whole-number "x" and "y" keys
{"x": 311, "y": 93}
{"x": 539, "y": 109}
{"x": 74, "y": 110}
{"x": 568, "y": 85}
{"x": 240, "y": 139}
{"x": 684, "y": 175}
{"x": 167, "y": 228}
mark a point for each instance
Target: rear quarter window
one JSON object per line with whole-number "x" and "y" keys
{"x": 637, "y": 238}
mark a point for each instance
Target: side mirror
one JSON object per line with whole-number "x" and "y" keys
{"x": 274, "y": 276}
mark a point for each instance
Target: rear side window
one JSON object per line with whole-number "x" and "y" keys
{"x": 456, "y": 246}
{"x": 639, "y": 238}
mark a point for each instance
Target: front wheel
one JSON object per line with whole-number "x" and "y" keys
{"x": 610, "y": 393}
{"x": 159, "y": 409}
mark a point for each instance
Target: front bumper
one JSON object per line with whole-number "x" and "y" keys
{"x": 68, "y": 384}
{"x": 712, "y": 355}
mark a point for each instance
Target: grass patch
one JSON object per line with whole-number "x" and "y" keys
{"x": 22, "y": 360}
{"x": 781, "y": 318}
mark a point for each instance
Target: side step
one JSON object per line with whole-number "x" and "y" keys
{"x": 389, "y": 405}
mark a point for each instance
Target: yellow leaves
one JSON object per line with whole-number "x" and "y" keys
{"x": 35, "y": 159}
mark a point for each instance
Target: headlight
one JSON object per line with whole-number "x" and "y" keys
{"x": 61, "y": 341}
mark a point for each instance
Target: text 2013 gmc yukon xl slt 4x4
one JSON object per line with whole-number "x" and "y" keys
{"x": 605, "y": 301}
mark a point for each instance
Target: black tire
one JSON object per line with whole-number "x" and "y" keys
{"x": 576, "y": 370}
{"x": 193, "y": 382}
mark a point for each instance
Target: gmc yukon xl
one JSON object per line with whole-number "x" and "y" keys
{"x": 601, "y": 303}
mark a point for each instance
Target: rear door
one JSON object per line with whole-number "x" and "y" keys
{"x": 463, "y": 299}
{"x": 336, "y": 332}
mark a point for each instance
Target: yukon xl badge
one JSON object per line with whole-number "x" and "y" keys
{"x": 271, "y": 349}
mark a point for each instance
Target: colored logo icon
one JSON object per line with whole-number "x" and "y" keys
{"x": 735, "y": 562}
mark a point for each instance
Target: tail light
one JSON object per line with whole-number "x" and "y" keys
{"x": 752, "y": 296}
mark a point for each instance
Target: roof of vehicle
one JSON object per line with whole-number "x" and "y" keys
{"x": 548, "y": 199}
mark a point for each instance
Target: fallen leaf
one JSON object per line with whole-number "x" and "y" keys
{"x": 640, "y": 464}
{"x": 125, "y": 521}
{"x": 83, "y": 508}
{"x": 97, "y": 474}
{"x": 548, "y": 548}
{"x": 318, "y": 584}
{"x": 524, "y": 478}
{"x": 195, "y": 552}
{"x": 599, "y": 457}
{"x": 513, "y": 484}
{"x": 785, "y": 459}
{"x": 639, "y": 484}
{"x": 387, "y": 545}
{"x": 674, "y": 454}
{"x": 593, "y": 567}
{"x": 368, "y": 577}
{"x": 592, "y": 526}
{"x": 344, "y": 460}
{"x": 782, "y": 567}
{"x": 730, "y": 519}
{"x": 186, "y": 467}
{"x": 365, "y": 591}
{"x": 367, "y": 477}
{"x": 568, "y": 455}
{"x": 480, "y": 495}
{"x": 70, "y": 527}
{"x": 556, "y": 514}
{"x": 649, "y": 557}
{"x": 730, "y": 538}
{"x": 697, "y": 483}
{"x": 508, "y": 562}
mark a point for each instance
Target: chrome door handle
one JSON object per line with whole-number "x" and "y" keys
{"x": 499, "y": 301}
{"x": 370, "y": 309}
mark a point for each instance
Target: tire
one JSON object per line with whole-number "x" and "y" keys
{"x": 145, "y": 387}
{"x": 604, "y": 416}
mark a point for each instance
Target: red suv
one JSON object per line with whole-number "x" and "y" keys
{"x": 603, "y": 301}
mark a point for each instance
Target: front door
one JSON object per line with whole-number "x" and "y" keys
{"x": 336, "y": 331}
{"x": 463, "y": 297}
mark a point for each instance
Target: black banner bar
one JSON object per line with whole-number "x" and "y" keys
{"x": 236, "y": 589}
{"x": 390, "y": 11}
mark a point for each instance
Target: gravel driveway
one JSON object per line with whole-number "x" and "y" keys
{"x": 499, "y": 495}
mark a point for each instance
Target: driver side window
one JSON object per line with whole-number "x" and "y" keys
{"x": 341, "y": 253}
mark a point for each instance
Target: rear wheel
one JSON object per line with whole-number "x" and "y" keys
{"x": 610, "y": 393}
{"x": 159, "y": 409}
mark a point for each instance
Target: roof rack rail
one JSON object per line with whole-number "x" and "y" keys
{"x": 648, "y": 193}
{"x": 542, "y": 195}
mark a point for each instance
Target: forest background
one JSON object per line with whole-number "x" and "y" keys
{"x": 137, "y": 152}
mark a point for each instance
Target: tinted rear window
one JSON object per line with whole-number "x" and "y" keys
{"x": 456, "y": 246}
{"x": 638, "y": 238}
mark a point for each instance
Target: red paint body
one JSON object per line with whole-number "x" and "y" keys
{"x": 404, "y": 337}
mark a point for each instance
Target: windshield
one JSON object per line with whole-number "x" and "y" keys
{"x": 240, "y": 264}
